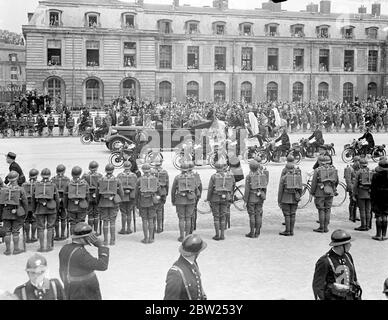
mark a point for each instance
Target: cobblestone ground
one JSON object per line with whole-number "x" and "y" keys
{"x": 270, "y": 267}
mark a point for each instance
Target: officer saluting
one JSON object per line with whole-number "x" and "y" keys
{"x": 335, "y": 276}
{"x": 184, "y": 279}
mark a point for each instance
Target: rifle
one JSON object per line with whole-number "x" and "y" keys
{"x": 228, "y": 220}
{"x": 100, "y": 226}
{"x": 67, "y": 225}
{"x": 24, "y": 237}
{"x": 134, "y": 219}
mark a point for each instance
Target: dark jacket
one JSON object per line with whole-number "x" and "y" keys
{"x": 369, "y": 138}
{"x": 15, "y": 167}
{"x": 318, "y": 137}
{"x": 379, "y": 191}
{"x": 285, "y": 139}
{"x": 52, "y": 290}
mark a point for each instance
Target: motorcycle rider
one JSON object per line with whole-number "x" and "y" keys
{"x": 317, "y": 134}
{"x": 285, "y": 139}
{"x": 370, "y": 142}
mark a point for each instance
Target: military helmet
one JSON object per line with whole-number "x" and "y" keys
{"x": 192, "y": 245}
{"x": 93, "y": 165}
{"x": 76, "y": 171}
{"x": 340, "y": 237}
{"x": 363, "y": 162}
{"x": 12, "y": 176}
{"x": 81, "y": 230}
{"x": 290, "y": 158}
{"x": 127, "y": 165}
{"x": 383, "y": 163}
{"x": 109, "y": 167}
{"x": 191, "y": 165}
{"x": 385, "y": 287}
{"x": 45, "y": 172}
{"x": 33, "y": 173}
{"x": 254, "y": 165}
{"x": 356, "y": 159}
{"x": 321, "y": 159}
{"x": 36, "y": 263}
{"x": 220, "y": 165}
{"x": 327, "y": 160}
{"x": 61, "y": 168}
{"x": 257, "y": 159}
{"x": 184, "y": 166}
{"x": 290, "y": 166}
{"x": 146, "y": 167}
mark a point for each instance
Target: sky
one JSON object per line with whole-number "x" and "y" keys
{"x": 13, "y": 13}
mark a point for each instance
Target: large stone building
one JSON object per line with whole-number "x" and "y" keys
{"x": 92, "y": 51}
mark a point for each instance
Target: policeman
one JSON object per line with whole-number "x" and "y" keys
{"x": 163, "y": 178}
{"x": 379, "y": 199}
{"x": 289, "y": 194}
{"x": 109, "y": 195}
{"x": 183, "y": 280}
{"x": 39, "y": 287}
{"x": 183, "y": 196}
{"x": 335, "y": 276}
{"x": 70, "y": 124}
{"x": 61, "y": 124}
{"x": 75, "y": 201}
{"x": 256, "y": 184}
{"x": 30, "y": 222}
{"x": 50, "y": 124}
{"x": 220, "y": 190}
{"x": 361, "y": 194}
{"x": 61, "y": 181}
{"x": 77, "y": 265}
{"x": 323, "y": 188}
{"x": 45, "y": 205}
{"x": 349, "y": 175}
{"x": 14, "y": 206}
{"x": 92, "y": 178}
{"x": 147, "y": 197}
{"x": 198, "y": 193}
{"x": 127, "y": 206}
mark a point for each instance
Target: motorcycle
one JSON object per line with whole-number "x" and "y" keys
{"x": 89, "y": 135}
{"x": 274, "y": 154}
{"x": 355, "y": 149}
{"x": 308, "y": 151}
{"x": 117, "y": 158}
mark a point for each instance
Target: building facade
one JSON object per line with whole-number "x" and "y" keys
{"x": 93, "y": 51}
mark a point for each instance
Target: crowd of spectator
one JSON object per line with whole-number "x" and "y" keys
{"x": 11, "y": 38}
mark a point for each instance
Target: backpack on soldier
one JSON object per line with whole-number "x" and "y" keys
{"x": 259, "y": 180}
{"x": 294, "y": 180}
{"x": 186, "y": 183}
{"x": 10, "y": 196}
{"x": 148, "y": 184}
{"x": 223, "y": 183}
{"x": 366, "y": 177}
{"x": 328, "y": 175}
{"x": 128, "y": 182}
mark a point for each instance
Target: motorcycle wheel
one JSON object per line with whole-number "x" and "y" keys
{"x": 297, "y": 156}
{"x": 152, "y": 155}
{"x": 86, "y": 139}
{"x": 347, "y": 155}
{"x": 377, "y": 154}
{"x": 116, "y": 159}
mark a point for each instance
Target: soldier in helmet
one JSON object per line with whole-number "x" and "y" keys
{"x": 76, "y": 196}
{"x": 183, "y": 280}
{"x": 39, "y": 286}
{"x": 256, "y": 184}
{"x": 379, "y": 199}
{"x": 361, "y": 194}
{"x": 290, "y": 160}
{"x": 14, "y": 206}
{"x": 323, "y": 188}
{"x": 147, "y": 197}
{"x": 164, "y": 183}
{"x": 30, "y": 222}
{"x": 335, "y": 276}
{"x": 70, "y": 124}
{"x": 77, "y": 265}
{"x": 127, "y": 206}
{"x": 92, "y": 178}
{"x": 198, "y": 193}
{"x": 109, "y": 195}
{"x": 220, "y": 191}
{"x": 61, "y": 181}
{"x": 349, "y": 175}
{"x": 46, "y": 204}
{"x": 50, "y": 124}
{"x": 61, "y": 124}
{"x": 289, "y": 194}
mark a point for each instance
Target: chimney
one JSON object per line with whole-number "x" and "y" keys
{"x": 175, "y": 3}
{"x": 271, "y": 6}
{"x": 362, "y": 10}
{"x": 221, "y": 4}
{"x": 29, "y": 16}
{"x": 312, "y": 7}
{"x": 376, "y": 9}
{"x": 325, "y": 6}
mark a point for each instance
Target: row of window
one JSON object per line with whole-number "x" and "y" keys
{"x": 129, "y": 88}
{"x": 92, "y": 20}
{"x": 54, "y": 57}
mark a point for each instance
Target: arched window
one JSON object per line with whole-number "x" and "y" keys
{"x": 192, "y": 90}
{"x": 219, "y": 91}
{"x": 323, "y": 91}
{"x": 348, "y": 92}
{"x": 372, "y": 89}
{"x": 297, "y": 91}
{"x": 246, "y": 92}
{"x": 54, "y": 87}
{"x": 92, "y": 92}
{"x": 129, "y": 88}
{"x": 165, "y": 92}
{"x": 272, "y": 91}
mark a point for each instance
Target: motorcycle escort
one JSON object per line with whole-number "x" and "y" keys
{"x": 354, "y": 149}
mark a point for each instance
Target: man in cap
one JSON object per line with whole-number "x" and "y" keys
{"x": 77, "y": 265}
{"x": 317, "y": 134}
{"x": 285, "y": 142}
{"x": 349, "y": 175}
{"x": 183, "y": 280}
{"x": 14, "y": 166}
{"x": 164, "y": 182}
{"x": 39, "y": 286}
{"x": 369, "y": 142}
{"x": 30, "y": 222}
{"x": 335, "y": 276}
{"x": 379, "y": 199}
{"x": 14, "y": 206}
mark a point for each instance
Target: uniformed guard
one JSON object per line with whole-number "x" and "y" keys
{"x": 22, "y": 125}
{"x": 324, "y": 188}
{"x": 70, "y": 124}
{"x": 198, "y": 193}
{"x": 39, "y": 287}
{"x": 92, "y": 178}
{"x": 61, "y": 124}
{"x": 30, "y": 222}
{"x": 361, "y": 194}
{"x": 61, "y": 181}
{"x": 147, "y": 196}
{"x": 13, "y": 124}
{"x": 50, "y": 124}
{"x": 289, "y": 194}
{"x": 255, "y": 193}
{"x": 46, "y": 205}
{"x": 349, "y": 175}
{"x": 77, "y": 265}
{"x": 109, "y": 195}
{"x": 183, "y": 280}
{"x": 14, "y": 206}
{"x": 31, "y": 125}
{"x": 127, "y": 206}
{"x": 335, "y": 276}
{"x": 75, "y": 201}
{"x": 220, "y": 190}
{"x": 164, "y": 183}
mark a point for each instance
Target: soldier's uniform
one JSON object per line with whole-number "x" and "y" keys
{"x": 61, "y": 181}
{"x": 305, "y": 121}
{"x": 22, "y": 125}
{"x": 164, "y": 183}
{"x": 30, "y": 221}
{"x": 89, "y": 122}
{"x": 220, "y": 191}
{"x": 61, "y": 124}
{"x": 127, "y": 206}
{"x": 323, "y": 188}
{"x": 353, "y": 120}
{"x": 92, "y": 178}
{"x": 346, "y": 120}
{"x": 50, "y": 124}
{"x": 337, "y": 121}
{"x": 40, "y": 124}
{"x": 98, "y": 120}
{"x": 13, "y": 124}
{"x": 349, "y": 175}
{"x": 198, "y": 194}
{"x": 75, "y": 201}
{"x": 289, "y": 194}
{"x": 379, "y": 122}
{"x": 147, "y": 197}
{"x": 14, "y": 206}
{"x": 109, "y": 195}
{"x": 256, "y": 184}
{"x": 385, "y": 121}
{"x": 70, "y": 125}
{"x": 31, "y": 125}
{"x": 361, "y": 192}
{"x": 46, "y": 203}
